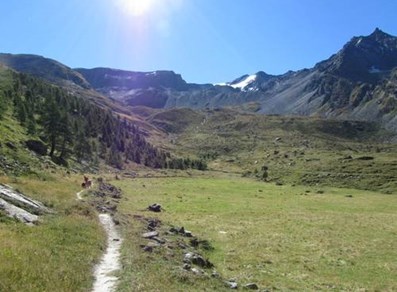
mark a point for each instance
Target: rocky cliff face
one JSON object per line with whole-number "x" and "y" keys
{"x": 105, "y": 79}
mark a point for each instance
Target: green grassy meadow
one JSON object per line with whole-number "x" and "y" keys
{"x": 280, "y": 237}
{"x": 296, "y": 150}
{"x": 59, "y": 253}
{"x": 324, "y": 219}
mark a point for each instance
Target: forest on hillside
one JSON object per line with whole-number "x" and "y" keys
{"x": 62, "y": 125}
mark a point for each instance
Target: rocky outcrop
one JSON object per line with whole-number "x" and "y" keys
{"x": 19, "y": 206}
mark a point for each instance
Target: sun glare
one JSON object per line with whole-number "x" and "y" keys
{"x": 136, "y": 7}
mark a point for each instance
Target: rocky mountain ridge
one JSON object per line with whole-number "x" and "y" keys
{"x": 45, "y": 68}
{"x": 359, "y": 82}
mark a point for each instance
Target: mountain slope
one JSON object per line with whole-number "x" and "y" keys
{"x": 359, "y": 82}
{"x": 67, "y": 128}
{"x": 45, "y": 68}
{"x": 68, "y": 79}
{"x": 151, "y": 89}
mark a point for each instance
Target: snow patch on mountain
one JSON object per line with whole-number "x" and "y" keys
{"x": 241, "y": 83}
{"x": 373, "y": 70}
{"x": 244, "y": 83}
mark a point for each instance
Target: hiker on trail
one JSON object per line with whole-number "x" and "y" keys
{"x": 87, "y": 183}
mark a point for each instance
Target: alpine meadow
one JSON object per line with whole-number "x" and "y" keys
{"x": 120, "y": 180}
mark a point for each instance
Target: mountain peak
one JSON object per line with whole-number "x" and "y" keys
{"x": 378, "y": 34}
{"x": 364, "y": 58}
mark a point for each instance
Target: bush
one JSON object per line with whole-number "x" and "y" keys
{"x": 37, "y": 146}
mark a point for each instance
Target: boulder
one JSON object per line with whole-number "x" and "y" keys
{"x": 37, "y": 146}
{"x": 215, "y": 274}
{"x": 18, "y": 213}
{"x": 154, "y": 208}
{"x": 153, "y": 224}
{"x": 188, "y": 233}
{"x": 174, "y": 230}
{"x": 14, "y": 197}
{"x": 197, "y": 259}
{"x": 197, "y": 271}
{"x": 148, "y": 248}
{"x": 251, "y": 286}
{"x": 231, "y": 284}
{"x": 150, "y": 234}
{"x": 159, "y": 240}
{"x": 182, "y": 231}
{"x": 205, "y": 244}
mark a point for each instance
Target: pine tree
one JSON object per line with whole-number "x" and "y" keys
{"x": 3, "y": 103}
{"x": 31, "y": 125}
{"x": 114, "y": 157}
{"x": 65, "y": 135}
{"x": 51, "y": 124}
{"x": 82, "y": 147}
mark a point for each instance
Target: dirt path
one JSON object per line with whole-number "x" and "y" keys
{"x": 78, "y": 195}
{"x": 105, "y": 280}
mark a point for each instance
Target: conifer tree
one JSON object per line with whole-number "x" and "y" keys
{"x": 51, "y": 124}
{"x": 3, "y": 103}
{"x": 65, "y": 135}
{"x": 114, "y": 157}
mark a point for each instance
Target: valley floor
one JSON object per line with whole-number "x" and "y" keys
{"x": 280, "y": 237}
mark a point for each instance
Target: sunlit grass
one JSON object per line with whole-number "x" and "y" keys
{"x": 277, "y": 236}
{"x": 59, "y": 253}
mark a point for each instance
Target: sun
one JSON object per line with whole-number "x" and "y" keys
{"x": 136, "y": 7}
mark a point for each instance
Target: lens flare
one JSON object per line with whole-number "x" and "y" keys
{"x": 136, "y": 7}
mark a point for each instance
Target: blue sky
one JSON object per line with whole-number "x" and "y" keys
{"x": 204, "y": 40}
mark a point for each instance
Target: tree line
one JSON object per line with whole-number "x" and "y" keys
{"x": 72, "y": 126}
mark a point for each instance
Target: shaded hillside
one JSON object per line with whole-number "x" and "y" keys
{"x": 64, "y": 126}
{"x": 58, "y": 74}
